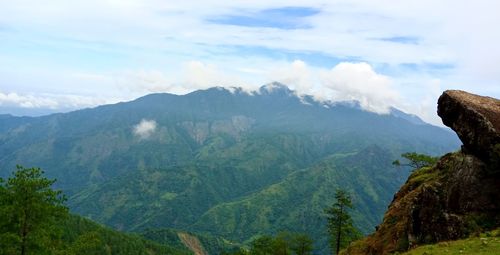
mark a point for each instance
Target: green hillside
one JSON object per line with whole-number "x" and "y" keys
{"x": 210, "y": 153}
{"x": 221, "y": 200}
{"x": 91, "y": 146}
{"x": 180, "y": 239}
{"x": 178, "y": 195}
{"x": 296, "y": 203}
{"x": 88, "y": 237}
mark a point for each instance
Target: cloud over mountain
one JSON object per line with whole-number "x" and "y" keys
{"x": 145, "y": 128}
{"x": 125, "y": 49}
{"x": 358, "y": 81}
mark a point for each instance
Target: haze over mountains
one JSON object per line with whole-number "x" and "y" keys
{"x": 225, "y": 162}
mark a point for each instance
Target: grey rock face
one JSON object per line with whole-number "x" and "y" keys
{"x": 476, "y": 120}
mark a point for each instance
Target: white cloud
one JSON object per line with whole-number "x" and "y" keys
{"x": 27, "y": 101}
{"x": 297, "y": 75}
{"x": 358, "y": 81}
{"x": 426, "y": 108}
{"x": 199, "y": 75}
{"x": 189, "y": 76}
{"x": 152, "y": 38}
{"x": 344, "y": 82}
{"x": 145, "y": 128}
{"x": 343, "y": 28}
{"x": 146, "y": 81}
{"x": 51, "y": 101}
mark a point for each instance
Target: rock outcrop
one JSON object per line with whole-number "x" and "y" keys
{"x": 456, "y": 197}
{"x": 476, "y": 120}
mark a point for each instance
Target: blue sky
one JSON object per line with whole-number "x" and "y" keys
{"x": 66, "y": 55}
{"x": 287, "y": 17}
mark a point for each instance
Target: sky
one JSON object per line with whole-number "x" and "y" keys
{"x": 66, "y": 55}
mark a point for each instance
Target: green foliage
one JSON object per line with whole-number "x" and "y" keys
{"x": 35, "y": 221}
{"x": 479, "y": 222}
{"x": 284, "y": 243}
{"x": 211, "y": 244}
{"x": 89, "y": 243}
{"x": 296, "y": 202}
{"x": 416, "y": 160}
{"x": 165, "y": 236}
{"x": 340, "y": 226}
{"x": 82, "y": 236}
{"x": 264, "y": 245}
{"x": 485, "y": 244}
{"x": 29, "y": 211}
{"x": 302, "y": 244}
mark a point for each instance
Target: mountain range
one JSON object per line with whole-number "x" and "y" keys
{"x": 224, "y": 162}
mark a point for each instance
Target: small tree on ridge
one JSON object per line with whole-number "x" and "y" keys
{"x": 416, "y": 160}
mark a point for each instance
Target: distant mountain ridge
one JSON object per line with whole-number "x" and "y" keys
{"x": 206, "y": 154}
{"x": 271, "y": 88}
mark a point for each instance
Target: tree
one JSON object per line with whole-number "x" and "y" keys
{"x": 88, "y": 243}
{"x": 284, "y": 243}
{"x": 263, "y": 245}
{"x": 340, "y": 225}
{"x": 302, "y": 244}
{"x": 416, "y": 160}
{"x": 29, "y": 210}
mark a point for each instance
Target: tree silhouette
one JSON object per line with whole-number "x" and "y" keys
{"x": 340, "y": 225}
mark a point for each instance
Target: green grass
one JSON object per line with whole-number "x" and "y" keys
{"x": 488, "y": 243}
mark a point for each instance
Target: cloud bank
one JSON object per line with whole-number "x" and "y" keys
{"x": 27, "y": 101}
{"x": 51, "y": 101}
{"x": 128, "y": 48}
{"x": 346, "y": 81}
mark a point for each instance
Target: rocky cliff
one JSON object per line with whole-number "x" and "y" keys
{"x": 476, "y": 120}
{"x": 456, "y": 197}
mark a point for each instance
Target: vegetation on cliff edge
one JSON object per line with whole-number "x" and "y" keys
{"x": 486, "y": 244}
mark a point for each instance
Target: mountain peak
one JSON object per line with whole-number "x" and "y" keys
{"x": 275, "y": 88}
{"x": 407, "y": 116}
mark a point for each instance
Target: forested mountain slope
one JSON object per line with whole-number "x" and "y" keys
{"x": 188, "y": 161}
{"x": 82, "y": 236}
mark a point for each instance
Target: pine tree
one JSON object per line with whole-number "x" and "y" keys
{"x": 416, "y": 160}
{"x": 340, "y": 225}
{"x": 29, "y": 210}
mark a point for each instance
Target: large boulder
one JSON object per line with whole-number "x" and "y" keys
{"x": 476, "y": 120}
